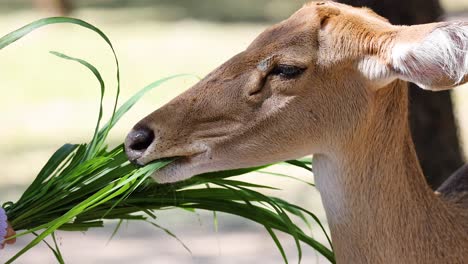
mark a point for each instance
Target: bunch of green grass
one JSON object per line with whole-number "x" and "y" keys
{"x": 84, "y": 184}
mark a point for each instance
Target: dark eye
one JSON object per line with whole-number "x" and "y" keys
{"x": 287, "y": 71}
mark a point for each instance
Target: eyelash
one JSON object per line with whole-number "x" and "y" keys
{"x": 286, "y": 71}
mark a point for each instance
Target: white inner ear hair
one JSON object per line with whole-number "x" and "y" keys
{"x": 443, "y": 53}
{"x": 376, "y": 71}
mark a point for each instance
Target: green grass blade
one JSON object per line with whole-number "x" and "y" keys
{"x": 286, "y": 176}
{"x": 241, "y": 183}
{"x": 247, "y": 193}
{"x": 167, "y": 231}
{"x": 19, "y": 33}
{"x": 55, "y": 160}
{"x": 278, "y": 243}
{"x": 117, "y": 228}
{"x": 124, "y": 108}
{"x": 215, "y": 214}
{"x": 90, "y": 151}
{"x": 57, "y": 249}
{"x": 57, "y": 253}
{"x": 82, "y": 185}
{"x": 300, "y": 164}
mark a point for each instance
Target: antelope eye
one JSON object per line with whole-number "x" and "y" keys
{"x": 286, "y": 71}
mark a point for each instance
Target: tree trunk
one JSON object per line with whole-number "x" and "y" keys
{"x": 431, "y": 114}
{"x": 55, "y": 7}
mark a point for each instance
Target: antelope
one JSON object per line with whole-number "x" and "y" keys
{"x": 331, "y": 81}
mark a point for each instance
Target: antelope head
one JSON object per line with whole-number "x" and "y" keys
{"x": 304, "y": 86}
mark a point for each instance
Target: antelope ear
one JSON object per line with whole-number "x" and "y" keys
{"x": 434, "y": 56}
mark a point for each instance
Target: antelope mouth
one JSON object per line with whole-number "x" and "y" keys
{"x": 178, "y": 158}
{"x": 180, "y": 167}
{"x": 141, "y": 162}
{"x": 166, "y": 159}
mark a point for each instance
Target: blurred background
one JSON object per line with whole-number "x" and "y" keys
{"x": 47, "y": 102}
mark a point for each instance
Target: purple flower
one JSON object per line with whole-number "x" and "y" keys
{"x": 3, "y": 225}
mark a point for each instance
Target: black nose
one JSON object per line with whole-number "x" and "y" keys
{"x": 137, "y": 141}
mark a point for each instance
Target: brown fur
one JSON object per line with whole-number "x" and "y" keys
{"x": 378, "y": 205}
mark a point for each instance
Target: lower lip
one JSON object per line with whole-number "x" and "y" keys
{"x": 175, "y": 159}
{"x": 163, "y": 160}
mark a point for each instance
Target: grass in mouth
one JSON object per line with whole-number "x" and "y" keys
{"x": 84, "y": 184}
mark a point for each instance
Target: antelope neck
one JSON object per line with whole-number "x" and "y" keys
{"x": 373, "y": 190}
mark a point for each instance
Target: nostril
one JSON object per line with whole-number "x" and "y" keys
{"x": 141, "y": 138}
